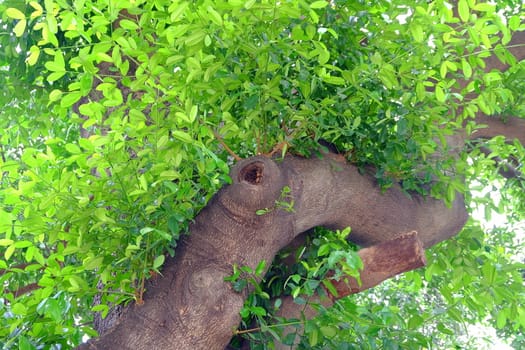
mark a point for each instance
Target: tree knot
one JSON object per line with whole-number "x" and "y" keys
{"x": 252, "y": 173}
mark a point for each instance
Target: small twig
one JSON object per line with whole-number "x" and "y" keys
{"x": 244, "y": 331}
{"x": 278, "y": 147}
{"x": 228, "y": 149}
{"x": 258, "y": 329}
{"x": 2, "y": 153}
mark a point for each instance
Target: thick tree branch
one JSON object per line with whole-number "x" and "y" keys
{"x": 380, "y": 262}
{"x": 349, "y": 199}
{"x": 383, "y": 261}
{"x": 512, "y": 128}
{"x": 505, "y": 168}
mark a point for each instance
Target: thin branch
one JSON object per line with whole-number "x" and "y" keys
{"x": 24, "y": 290}
{"x": 19, "y": 266}
{"x": 505, "y": 168}
{"x": 223, "y": 144}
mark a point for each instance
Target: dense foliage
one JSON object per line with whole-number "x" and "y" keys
{"x": 115, "y": 136}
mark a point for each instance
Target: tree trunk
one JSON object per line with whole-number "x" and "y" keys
{"x": 192, "y": 307}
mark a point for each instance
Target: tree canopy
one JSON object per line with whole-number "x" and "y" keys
{"x": 121, "y": 119}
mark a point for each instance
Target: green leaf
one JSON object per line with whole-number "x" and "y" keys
{"x": 70, "y": 99}
{"x": 102, "y": 308}
{"x": 72, "y": 148}
{"x": 417, "y": 32}
{"x": 193, "y": 113}
{"x": 334, "y": 80}
{"x": 387, "y": 75}
{"x": 443, "y": 70}
{"x": 444, "y": 329}
{"x": 11, "y": 12}
{"x": 324, "y": 56}
{"x": 514, "y": 22}
{"x": 319, "y": 4}
{"x": 157, "y": 263}
{"x": 456, "y": 315}
{"x": 215, "y": 17}
{"x": 104, "y": 57}
{"x": 55, "y": 76}
{"x": 93, "y": 263}
{"x": 324, "y": 249}
{"x": 489, "y": 273}
{"x": 329, "y": 285}
{"x": 260, "y": 268}
{"x": 23, "y": 244}
{"x": 182, "y": 136}
{"x": 249, "y": 4}
{"x": 77, "y": 283}
{"x": 328, "y": 331}
{"x": 20, "y": 28}
{"x": 53, "y": 309}
{"x": 439, "y": 93}
{"x": 19, "y": 309}
{"x": 258, "y": 311}
{"x": 415, "y": 321}
{"x": 39, "y": 257}
{"x": 484, "y": 7}
{"x": 24, "y": 344}
{"x": 5, "y": 242}
{"x": 52, "y": 24}
{"x": 195, "y": 38}
{"x": 501, "y": 320}
{"x": 313, "y": 337}
{"x": 30, "y": 253}
{"x": 176, "y": 10}
{"x": 463, "y": 10}
{"x": 34, "y": 53}
{"x": 129, "y": 25}
{"x": 467, "y": 69}
{"x": 9, "y": 252}
{"x": 482, "y": 104}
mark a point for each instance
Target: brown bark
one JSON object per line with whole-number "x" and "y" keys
{"x": 512, "y": 127}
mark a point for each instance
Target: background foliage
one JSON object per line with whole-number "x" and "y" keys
{"x": 113, "y": 138}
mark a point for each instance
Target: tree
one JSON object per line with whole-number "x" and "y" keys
{"x": 343, "y": 123}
